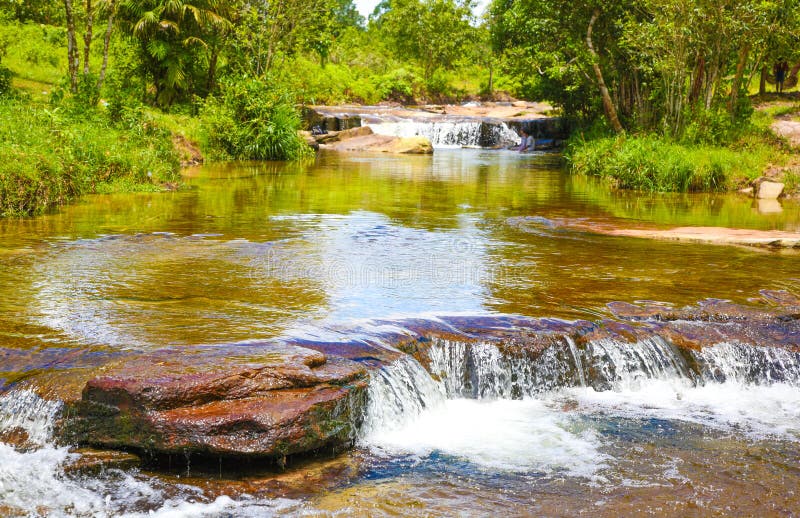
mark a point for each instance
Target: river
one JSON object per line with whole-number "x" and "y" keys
{"x": 270, "y": 250}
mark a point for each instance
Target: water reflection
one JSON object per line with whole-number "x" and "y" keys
{"x": 250, "y": 250}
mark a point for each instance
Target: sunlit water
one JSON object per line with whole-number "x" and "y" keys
{"x": 266, "y": 250}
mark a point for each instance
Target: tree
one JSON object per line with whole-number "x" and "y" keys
{"x": 172, "y": 36}
{"x": 267, "y": 30}
{"x": 435, "y": 33}
{"x": 652, "y": 64}
{"x": 570, "y": 53}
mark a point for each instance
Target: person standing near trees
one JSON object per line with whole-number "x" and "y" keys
{"x": 781, "y": 68}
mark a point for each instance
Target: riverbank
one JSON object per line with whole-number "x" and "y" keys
{"x": 715, "y": 159}
{"x": 49, "y": 156}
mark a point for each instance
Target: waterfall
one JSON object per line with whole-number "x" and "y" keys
{"x": 26, "y": 411}
{"x": 616, "y": 364}
{"x": 745, "y": 364}
{"x": 485, "y": 370}
{"x": 573, "y": 349}
{"x": 450, "y": 134}
{"x": 397, "y": 393}
{"x": 481, "y": 370}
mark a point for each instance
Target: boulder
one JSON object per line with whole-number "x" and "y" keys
{"x": 384, "y": 144}
{"x": 768, "y": 190}
{"x": 268, "y": 400}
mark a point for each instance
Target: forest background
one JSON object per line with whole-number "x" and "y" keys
{"x": 101, "y": 95}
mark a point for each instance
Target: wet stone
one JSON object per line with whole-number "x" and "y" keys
{"x": 88, "y": 460}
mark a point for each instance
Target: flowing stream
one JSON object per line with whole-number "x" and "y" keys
{"x": 377, "y": 244}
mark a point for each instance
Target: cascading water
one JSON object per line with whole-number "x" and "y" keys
{"x": 734, "y": 362}
{"x": 728, "y": 385}
{"x": 481, "y": 370}
{"x": 452, "y": 134}
{"x": 24, "y": 410}
{"x": 399, "y": 392}
{"x": 408, "y": 413}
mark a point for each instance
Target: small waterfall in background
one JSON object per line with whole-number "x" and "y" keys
{"x": 452, "y": 134}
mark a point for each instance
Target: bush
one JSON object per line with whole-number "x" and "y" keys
{"x": 651, "y": 163}
{"x": 397, "y": 85}
{"x": 253, "y": 120}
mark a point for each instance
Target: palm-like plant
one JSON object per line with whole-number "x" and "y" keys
{"x": 170, "y": 33}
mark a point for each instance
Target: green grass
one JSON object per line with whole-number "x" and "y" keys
{"x": 52, "y": 155}
{"x": 651, "y": 163}
{"x": 35, "y": 53}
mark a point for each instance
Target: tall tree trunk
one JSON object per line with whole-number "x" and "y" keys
{"x": 737, "y": 79}
{"x": 106, "y": 44}
{"x": 608, "y": 105}
{"x": 762, "y": 84}
{"x": 212, "y": 69}
{"x": 72, "y": 47}
{"x": 87, "y": 37}
{"x": 697, "y": 84}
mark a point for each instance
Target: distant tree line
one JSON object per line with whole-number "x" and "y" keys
{"x": 646, "y": 64}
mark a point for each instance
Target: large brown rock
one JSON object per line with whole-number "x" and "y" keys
{"x": 262, "y": 400}
{"x": 384, "y": 144}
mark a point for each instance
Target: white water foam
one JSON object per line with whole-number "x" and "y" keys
{"x": 34, "y": 482}
{"x": 408, "y": 414}
{"x": 505, "y": 435}
{"x": 757, "y": 411}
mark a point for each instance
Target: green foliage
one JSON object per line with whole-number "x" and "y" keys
{"x": 5, "y": 80}
{"x": 34, "y": 52}
{"x": 49, "y": 156}
{"x": 253, "y": 120}
{"x": 665, "y": 62}
{"x": 650, "y": 163}
{"x": 397, "y": 85}
{"x": 172, "y": 38}
{"x": 38, "y": 11}
{"x": 434, "y": 33}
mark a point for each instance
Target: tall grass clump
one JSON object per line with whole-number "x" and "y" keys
{"x": 252, "y": 120}
{"x": 49, "y": 155}
{"x": 653, "y": 163}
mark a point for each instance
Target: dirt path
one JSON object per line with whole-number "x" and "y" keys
{"x": 787, "y": 127}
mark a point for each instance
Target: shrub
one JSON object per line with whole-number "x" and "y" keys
{"x": 253, "y": 120}
{"x": 652, "y": 163}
